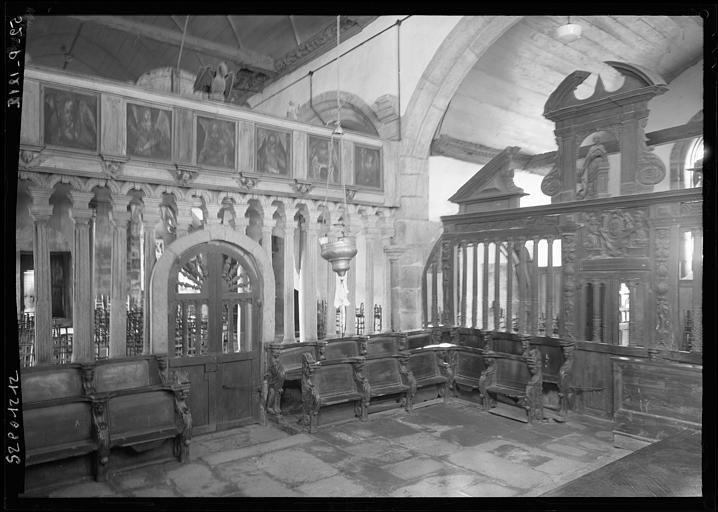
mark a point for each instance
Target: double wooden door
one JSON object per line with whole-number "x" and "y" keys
{"x": 215, "y": 317}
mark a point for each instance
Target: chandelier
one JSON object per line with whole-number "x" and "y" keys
{"x": 338, "y": 246}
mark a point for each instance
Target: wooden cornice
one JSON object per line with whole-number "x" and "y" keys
{"x": 463, "y": 150}
{"x": 247, "y": 58}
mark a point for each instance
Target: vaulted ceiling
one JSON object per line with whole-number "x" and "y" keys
{"x": 124, "y": 47}
{"x": 500, "y": 103}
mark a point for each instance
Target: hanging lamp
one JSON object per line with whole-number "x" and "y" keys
{"x": 568, "y": 32}
{"x": 339, "y": 247}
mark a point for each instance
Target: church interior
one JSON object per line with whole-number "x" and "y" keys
{"x": 361, "y": 256}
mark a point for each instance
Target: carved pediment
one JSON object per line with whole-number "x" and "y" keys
{"x": 494, "y": 181}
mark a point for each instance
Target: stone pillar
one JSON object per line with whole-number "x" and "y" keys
{"x": 485, "y": 289}
{"x": 288, "y": 281}
{"x": 309, "y": 279}
{"x": 509, "y": 285}
{"x": 331, "y": 310}
{"x": 267, "y": 229}
{"x": 596, "y": 285}
{"x": 534, "y": 290}
{"x": 497, "y": 285}
{"x": 118, "y": 312}
{"x": 83, "y": 347}
{"x": 372, "y": 234}
{"x": 41, "y": 211}
{"x": 150, "y": 218}
{"x": 393, "y": 253}
{"x": 240, "y": 221}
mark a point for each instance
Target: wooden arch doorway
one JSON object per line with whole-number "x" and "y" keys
{"x": 214, "y": 329}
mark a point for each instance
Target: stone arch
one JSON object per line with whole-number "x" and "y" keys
{"x": 159, "y": 314}
{"x": 453, "y": 60}
{"x": 679, "y": 152}
{"x": 356, "y": 114}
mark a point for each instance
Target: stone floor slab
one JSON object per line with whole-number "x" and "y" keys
{"x": 250, "y": 451}
{"x": 414, "y": 467}
{"x": 494, "y": 467}
{"x": 427, "y": 444}
{"x": 337, "y": 486}
{"x": 566, "y": 449}
{"x": 295, "y": 467}
{"x": 84, "y": 490}
{"x": 261, "y": 485}
{"x": 197, "y": 480}
{"x": 520, "y": 455}
{"x": 367, "y": 471}
{"x": 437, "y": 486}
{"x": 155, "y": 492}
{"x": 490, "y": 490}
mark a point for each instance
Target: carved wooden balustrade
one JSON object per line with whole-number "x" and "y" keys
{"x": 606, "y": 246}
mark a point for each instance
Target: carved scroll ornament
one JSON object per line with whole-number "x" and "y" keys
{"x": 551, "y": 183}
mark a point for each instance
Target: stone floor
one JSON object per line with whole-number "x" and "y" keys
{"x": 450, "y": 450}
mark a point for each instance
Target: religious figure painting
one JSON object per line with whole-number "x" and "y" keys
{"x": 273, "y": 151}
{"x": 367, "y": 167}
{"x": 149, "y": 132}
{"x": 318, "y": 155}
{"x": 70, "y": 119}
{"x": 216, "y": 142}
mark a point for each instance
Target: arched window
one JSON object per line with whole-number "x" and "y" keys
{"x": 693, "y": 166}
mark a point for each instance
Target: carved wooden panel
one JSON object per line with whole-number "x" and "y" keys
{"x": 614, "y": 233}
{"x": 113, "y": 133}
{"x": 122, "y": 375}
{"x": 246, "y": 146}
{"x": 46, "y": 385}
{"x": 299, "y": 156}
{"x": 52, "y": 426}
{"x": 30, "y": 124}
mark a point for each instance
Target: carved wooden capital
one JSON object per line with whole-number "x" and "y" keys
{"x": 245, "y": 181}
{"x": 302, "y": 187}
{"x": 113, "y": 165}
{"x": 185, "y": 174}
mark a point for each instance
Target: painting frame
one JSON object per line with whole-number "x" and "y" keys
{"x": 170, "y": 127}
{"x": 263, "y": 155}
{"x": 315, "y": 163}
{"x": 215, "y": 149}
{"x": 46, "y": 91}
{"x": 368, "y": 173}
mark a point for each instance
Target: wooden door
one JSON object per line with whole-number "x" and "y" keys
{"x": 215, "y": 318}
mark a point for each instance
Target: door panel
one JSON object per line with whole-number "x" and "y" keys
{"x": 213, "y": 292}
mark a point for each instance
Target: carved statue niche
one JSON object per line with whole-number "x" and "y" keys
{"x": 447, "y": 366}
{"x": 183, "y": 418}
{"x": 592, "y": 177}
{"x": 534, "y": 387}
{"x": 275, "y": 382}
{"x": 102, "y": 436}
{"x": 362, "y": 408}
{"x": 88, "y": 379}
{"x": 162, "y": 366}
{"x": 310, "y": 395}
{"x": 408, "y": 376}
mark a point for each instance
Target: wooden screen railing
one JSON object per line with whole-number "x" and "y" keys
{"x": 595, "y": 270}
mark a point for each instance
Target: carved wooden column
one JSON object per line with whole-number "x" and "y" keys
{"x": 485, "y": 289}
{"x": 596, "y": 287}
{"x": 331, "y": 318}
{"x": 267, "y": 229}
{"x": 150, "y": 218}
{"x": 118, "y": 312}
{"x": 475, "y": 287}
{"x": 435, "y": 319}
{"x": 697, "y": 337}
{"x": 549, "y": 289}
{"x": 523, "y": 328}
{"x": 497, "y": 285}
{"x": 447, "y": 283}
{"x": 566, "y": 143}
{"x": 509, "y": 285}
{"x": 464, "y": 274}
{"x": 184, "y": 216}
{"x": 41, "y": 211}
{"x": 567, "y": 327}
{"x": 309, "y": 279}
{"x": 633, "y": 306}
{"x": 83, "y": 348}
{"x": 534, "y": 290}
{"x": 288, "y": 280}
{"x": 241, "y": 223}
{"x": 666, "y": 240}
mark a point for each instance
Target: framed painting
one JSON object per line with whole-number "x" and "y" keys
{"x": 149, "y": 132}
{"x": 318, "y": 155}
{"x": 367, "y": 167}
{"x": 274, "y": 151}
{"x": 216, "y": 143}
{"x": 70, "y": 119}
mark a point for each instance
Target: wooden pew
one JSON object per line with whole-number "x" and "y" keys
{"x": 141, "y": 405}
{"x": 430, "y": 372}
{"x": 386, "y": 344}
{"x": 468, "y": 365}
{"x": 517, "y": 378}
{"x": 59, "y": 418}
{"x": 284, "y": 363}
{"x": 341, "y": 348}
{"x": 334, "y": 382}
{"x": 388, "y": 371}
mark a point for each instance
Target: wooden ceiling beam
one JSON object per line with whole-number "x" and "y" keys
{"x": 235, "y": 31}
{"x": 294, "y": 30}
{"x": 251, "y": 59}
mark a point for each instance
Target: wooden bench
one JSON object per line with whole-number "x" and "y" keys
{"x": 467, "y": 337}
{"x": 516, "y": 377}
{"x": 284, "y": 363}
{"x": 59, "y": 419}
{"x": 468, "y": 365}
{"x": 142, "y": 406}
{"x": 386, "y": 344}
{"x": 341, "y": 348}
{"x": 328, "y": 383}
{"x": 390, "y": 376}
{"x": 430, "y": 372}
